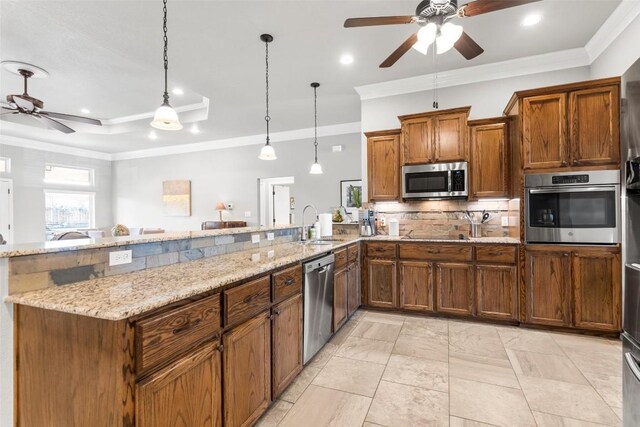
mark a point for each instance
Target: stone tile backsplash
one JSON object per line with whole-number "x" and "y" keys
{"x": 33, "y": 272}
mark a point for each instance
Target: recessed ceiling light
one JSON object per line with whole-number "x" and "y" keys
{"x": 153, "y": 134}
{"x": 346, "y": 59}
{"x": 177, "y": 91}
{"x": 195, "y": 129}
{"x": 85, "y": 111}
{"x": 532, "y": 19}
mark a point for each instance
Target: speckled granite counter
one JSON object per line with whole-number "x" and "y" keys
{"x": 126, "y": 295}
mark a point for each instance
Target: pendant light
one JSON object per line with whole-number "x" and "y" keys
{"x": 166, "y": 117}
{"x": 267, "y": 152}
{"x": 316, "y": 169}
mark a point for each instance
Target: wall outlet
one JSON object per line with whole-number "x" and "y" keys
{"x": 255, "y": 238}
{"x": 247, "y": 214}
{"x": 229, "y": 206}
{"x": 270, "y": 236}
{"x": 120, "y": 257}
{"x": 271, "y": 254}
{"x": 505, "y": 221}
{"x": 383, "y": 221}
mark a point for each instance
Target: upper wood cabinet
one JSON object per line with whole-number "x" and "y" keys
{"x": 434, "y": 137}
{"x": 287, "y": 342}
{"x": 188, "y": 392}
{"x": 489, "y": 144}
{"x": 383, "y": 165}
{"x": 544, "y": 131}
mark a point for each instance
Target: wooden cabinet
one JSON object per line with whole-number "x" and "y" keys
{"x": 287, "y": 343}
{"x": 544, "y": 131}
{"x": 434, "y": 137}
{"x": 353, "y": 287}
{"x": 489, "y": 168}
{"x": 383, "y": 165}
{"x": 454, "y": 288}
{"x": 340, "y": 298}
{"x": 381, "y": 283}
{"x": 496, "y": 291}
{"x": 186, "y": 393}
{"x": 594, "y": 126}
{"x": 247, "y": 371}
{"x": 596, "y": 279}
{"x": 547, "y": 284}
{"x": 416, "y": 286}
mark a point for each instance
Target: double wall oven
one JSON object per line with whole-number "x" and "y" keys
{"x": 573, "y": 207}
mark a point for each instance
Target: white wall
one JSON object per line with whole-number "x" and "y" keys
{"x": 27, "y": 172}
{"x": 620, "y": 55}
{"x": 231, "y": 175}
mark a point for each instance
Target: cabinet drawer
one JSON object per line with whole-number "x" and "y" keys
{"x": 381, "y": 250}
{"x": 436, "y": 252}
{"x": 493, "y": 254}
{"x": 246, "y": 300}
{"x": 341, "y": 258}
{"x": 287, "y": 282}
{"x": 352, "y": 253}
{"x": 161, "y": 337}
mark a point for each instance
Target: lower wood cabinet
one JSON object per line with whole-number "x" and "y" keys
{"x": 416, "y": 286}
{"x": 381, "y": 283}
{"x": 496, "y": 291}
{"x": 340, "y": 298}
{"x": 454, "y": 288}
{"x": 186, "y": 393}
{"x": 247, "y": 371}
{"x": 353, "y": 287}
{"x": 287, "y": 343}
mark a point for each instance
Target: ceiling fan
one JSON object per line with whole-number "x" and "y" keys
{"x": 33, "y": 107}
{"x": 434, "y": 18}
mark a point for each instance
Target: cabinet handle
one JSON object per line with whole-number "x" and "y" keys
{"x": 188, "y": 326}
{"x": 277, "y": 311}
{"x": 565, "y": 255}
{"x": 564, "y": 163}
{"x": 289, "y": 281}
{"x": 220, "y": 348}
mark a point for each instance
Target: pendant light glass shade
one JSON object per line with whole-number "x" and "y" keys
{"x": 449, "y": 35}
{"x": 316, "y": 169}
{"x": 166, "y": 118}
{"x": 267, "y": 153}
{"x": 426, "y": 37}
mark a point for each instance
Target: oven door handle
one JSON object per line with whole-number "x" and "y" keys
{"x": 571, "y": 189}
{"x": 633, "y": 364}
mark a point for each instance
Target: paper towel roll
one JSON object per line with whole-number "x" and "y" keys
{"x": 326, "y": 226}
{"x": 394, "y": 227}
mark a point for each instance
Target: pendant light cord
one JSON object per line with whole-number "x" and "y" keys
{"x": 436, "y": 105}
{"x": 315, "y": 109}
{"x": 267, "y": 118}
{"x": 166, "y": 55}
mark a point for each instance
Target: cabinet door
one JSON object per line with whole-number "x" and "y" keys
{"x": 596, "y": 278}
{"x": 544, "y": 132}
{"x": 339, "y": 298}
{"x": 417, "y": 141}
{"x": 450, "y": 137}
{"x": 186, "y": 393}
{"x": 383, "y": 167}
{"x": 416, "y": 285}
{"x": 547, "y": 275}
{"x": 287, "y": 343}
{"x": 353, "y": 287}
{"x": 247, "y": 371}
{"x": 454, "y": 288}
{"x": 496, "y": 291}
{"x": 594, "y": 126}
{"x": 489, "y": 161}
{"x": 381, "y": 283}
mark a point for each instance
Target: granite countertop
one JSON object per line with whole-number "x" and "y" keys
{"x": 106, "y": 242}
{"x": 131, "y": 294}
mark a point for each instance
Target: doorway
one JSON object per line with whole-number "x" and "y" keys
{"x": 6, "y": 210}
{"x": 275, "y": 204}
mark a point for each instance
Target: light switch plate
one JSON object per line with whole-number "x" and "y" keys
{"x": 120, "y": 257}
{"x": 270, "y": 236}
{"x": 505, "y": 221}
{"x": 247, "y": 214}
{"x": 255, "y": 238}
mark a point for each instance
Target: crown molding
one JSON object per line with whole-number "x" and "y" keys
{"x": 616, "y": 23}
{"x": 54, "y": 148}
{"x": 276, "y": 137}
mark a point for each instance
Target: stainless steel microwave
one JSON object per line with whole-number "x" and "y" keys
{"x": 435, "y": 181}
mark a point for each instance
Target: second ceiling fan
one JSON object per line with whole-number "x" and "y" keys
{"x": 434, "y": 18}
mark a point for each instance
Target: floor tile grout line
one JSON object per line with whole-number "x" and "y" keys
{"x": 576, "y": 419}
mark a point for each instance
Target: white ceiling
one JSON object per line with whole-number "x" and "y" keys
{"x": 107, "y": 56}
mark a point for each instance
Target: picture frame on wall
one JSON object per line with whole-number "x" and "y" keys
{"x": 351, "y": 194}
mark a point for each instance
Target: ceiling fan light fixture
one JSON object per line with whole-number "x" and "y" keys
{"x": 166, "y": 118}
{"x": 426, "y": 37}
{"x": 449, "y": 35}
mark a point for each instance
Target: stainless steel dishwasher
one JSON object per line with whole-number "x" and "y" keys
{"x": 318, "y": 304}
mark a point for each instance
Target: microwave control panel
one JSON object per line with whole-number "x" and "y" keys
{"x": 570, "y": 179}
{"x": 457, "y": 180}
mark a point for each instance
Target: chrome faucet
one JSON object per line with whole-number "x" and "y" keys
{"x": 305, "y": 228}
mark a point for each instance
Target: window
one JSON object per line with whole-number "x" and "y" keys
{"x": 65, "y": 210}
{"x": 5, "y": 165}
{"x": 55, "y": 174}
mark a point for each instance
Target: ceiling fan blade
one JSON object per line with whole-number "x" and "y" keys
{"x": 378, "y": 20}
{"x": 71, "y": 118}
{"x": 397, "y": 54}
{"x": 53, "y": 124}
{"x": 467, "y": 46}
{"x": 478, "y": 7}
{"x": 10, "y": 109}
{"x": 8, "y": 112}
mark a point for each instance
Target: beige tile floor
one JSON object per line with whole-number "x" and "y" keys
{"x": 386, "y": 369}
